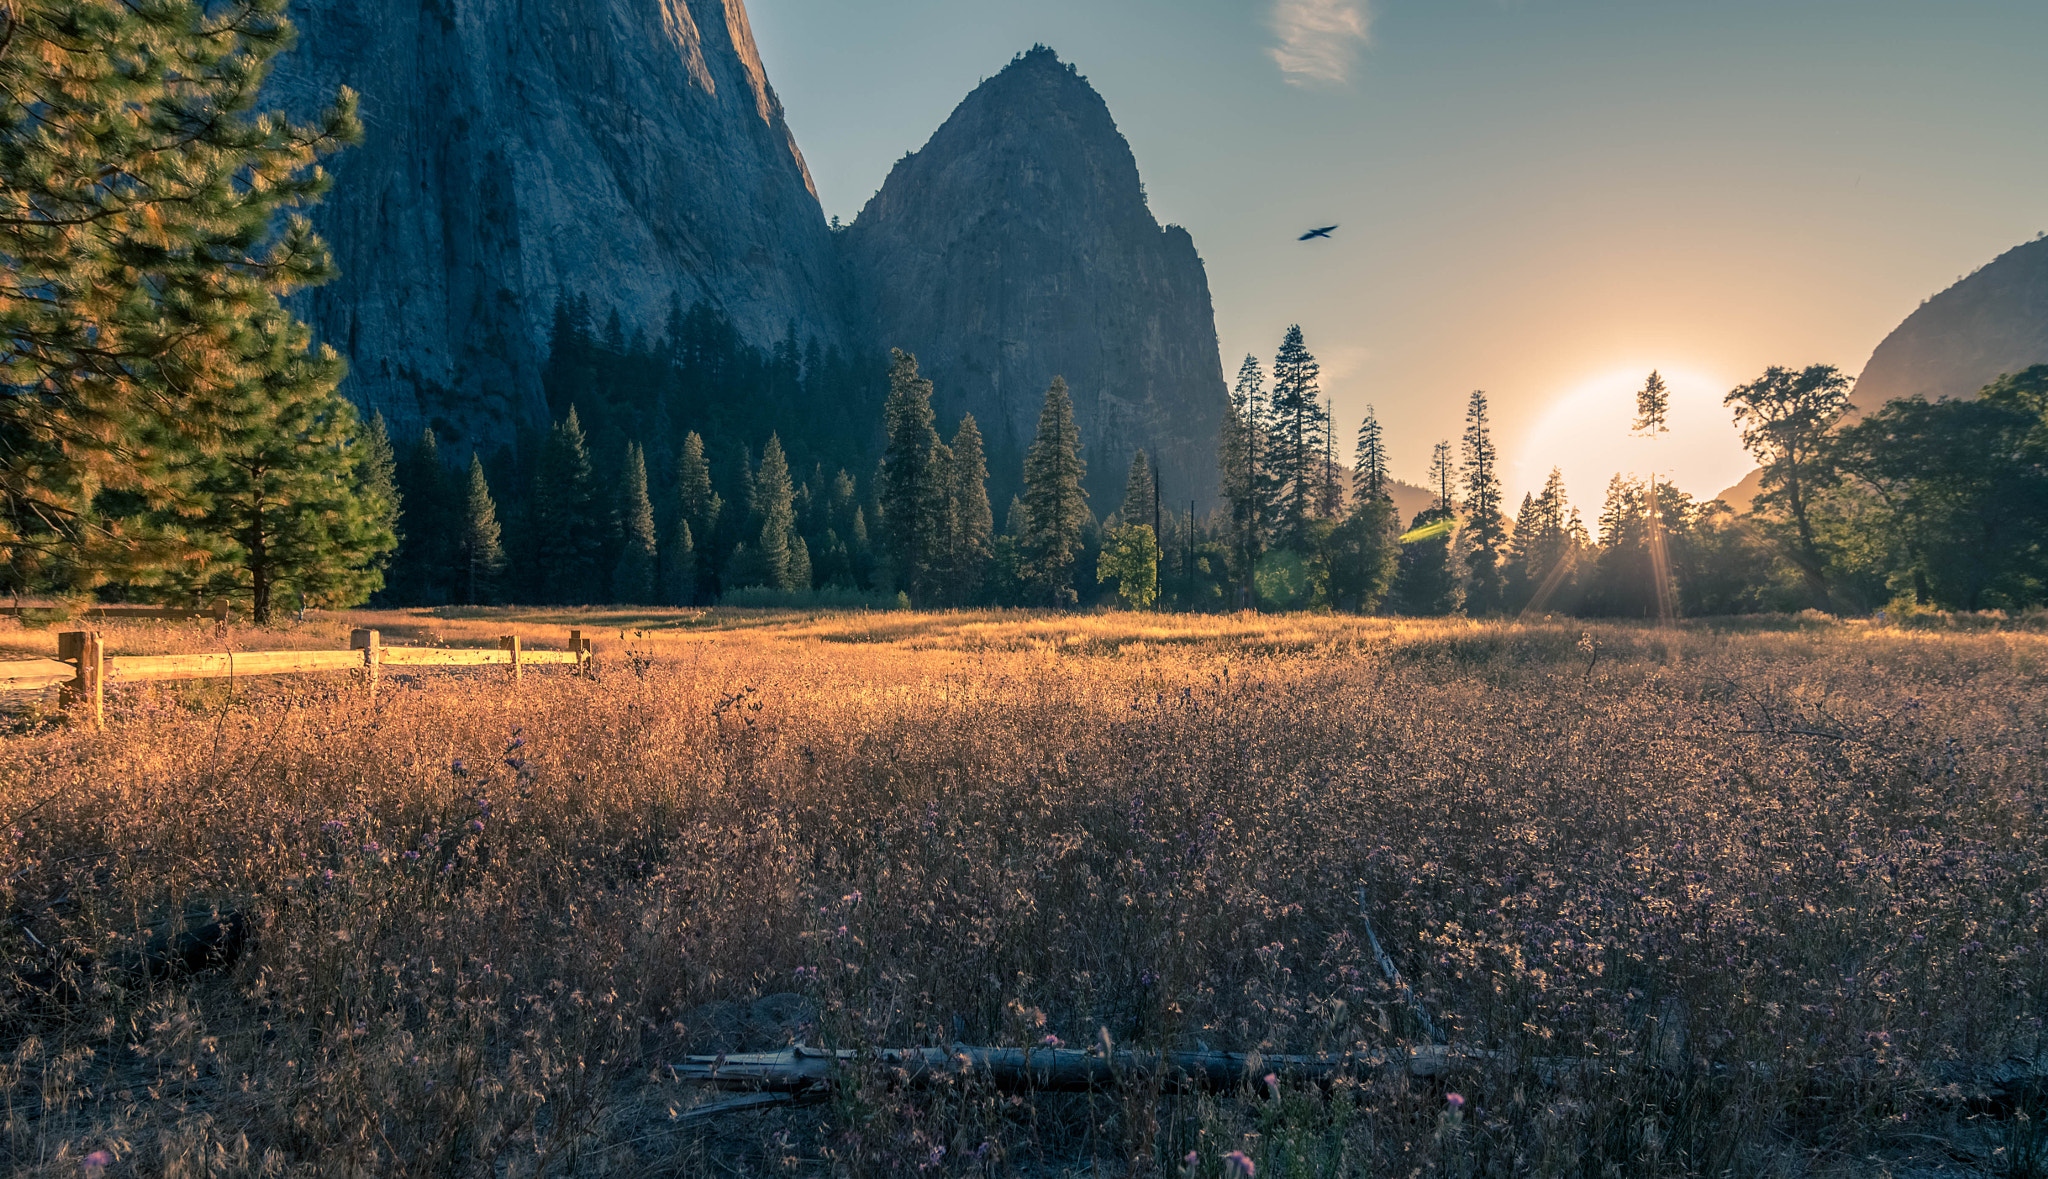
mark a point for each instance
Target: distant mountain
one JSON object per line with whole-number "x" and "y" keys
{"x": 1991, "y": 323}
{"x": 519, "y": 151}
{"x": 1017, "y": 246}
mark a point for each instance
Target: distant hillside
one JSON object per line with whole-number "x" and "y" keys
{"x": 1993, "y": 322}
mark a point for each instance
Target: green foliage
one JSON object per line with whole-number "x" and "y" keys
{"x": 1055, "y": 505}
{"x": 1130, "y": 561}
{"x": 1242, "y": 458}
{"x": 1786, "y": 417}
{"x": 278, "y": 501}
{"x": 911, "y": 491}
{"x": 568, "y": 536}
{"x": 1283, "y": 580}
{"x": 1485, "y": 588}
{"x": 1364, "y": 556}
{"x": 1426, "y": 583}
{"x": 772, "y": 527}
{"x": 1140, "y": 495}
{"x": 1298, "y": 428}
{"x": 139, "y": 189}
{"x": 480, "y": 552}
{"x": 969, "y": 524}
{"x": 636, "y": 577}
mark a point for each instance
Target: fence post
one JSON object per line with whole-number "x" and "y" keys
{"x": 581, "y": 646}
{"x": 367, "y": 641}
{"x": 511, "y": 643}
{"x": 219, "y": 610}
{"x": 85, "y": 650}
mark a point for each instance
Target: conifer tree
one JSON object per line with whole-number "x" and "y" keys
{"x": 379, "y": 467}
{"x": 568, "y": 537}
{"x": 909, "y": 492}
{"x": 1483, "y": 519}
{"x": 1369, "y": 474}
{"x": 1365, "y": 551}
{"x": 635, "y": 578}
{"x": 1240, "y": 455}
{"x": 279, "y": 499}
{"x": 773, "y": 508}
{"x": 1138, "y": 492}
{"x": 679, "y": 565}
{"x": 1330, "y": 488}
{"x": 1055, "y": 505}
{"x": 423, "y": 569}
{"x": 139, "y": 188}
{"x": 480, "y": 551}
{"x": 1298, "y": 426}
{"x": 972, "y": 523}
{"x": 1440, "y": 476}
{"x": 799, "y": 564}
{"x": 699, "y": 507}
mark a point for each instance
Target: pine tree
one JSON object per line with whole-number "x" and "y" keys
{"x": 909, "y": 493}
{"x": 1298, "y": 428}
{"x": 773, "y": 508}
{"x": 139, "y": 188}
{"x": 1055, "y": 505}
{"x": 480, "y": 551}
{"x": 1653, "y": 403}
{"x": 698, "y": 507}
{"x": 1544, "y": 548}
{"x": 1240, "y": 453}
{"x": 679, "y": 565}
{"x": 1440, "y": 476}
{"x": 1330, "y": 492}
{"x": 1369, "y": 474}
{"x": 972, "y": 523}
{"x": 635, "y": 578}
{"x": 568, "y": 538}
{"x": 799, "y": 564}
{"x": 279, "y": 501}
{"x": 379, "y": 486}
{"x": 423, "y": 569}
{"x": 1483, "y": 519}
{"x": 1138, "y": 492}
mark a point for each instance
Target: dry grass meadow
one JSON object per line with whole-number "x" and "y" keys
{"x": 1757, "y": 901}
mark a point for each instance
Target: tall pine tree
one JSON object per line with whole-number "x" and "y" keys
{"x": 636, "y": 578}
{"x": 972, "y": 523}
{"x": 569, "y": 537}
{"x": 1298, "y": 427}
{"x": 1241, "y": 457}
{"x": 1055, "y": 505}
{"x": 1139, "y": 493}
{"x": 480, "y": 550}
{"x": 139, "y": 193}
{"x": 910, "y": 495}
{"x": 1483, "y": 519}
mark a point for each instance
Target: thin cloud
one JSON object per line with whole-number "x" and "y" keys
{"x": 1319, "y": 39}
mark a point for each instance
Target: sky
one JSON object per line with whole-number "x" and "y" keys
{"x": 1543, "y": 199}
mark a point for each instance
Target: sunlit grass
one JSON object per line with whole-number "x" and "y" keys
{"x": 487, "y": 915}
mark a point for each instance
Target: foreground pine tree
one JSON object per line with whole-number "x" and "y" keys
{"x": 480, "y": 551}
{"x": 139, "y": 189}
{"x": 635, "y": 577}
{"x": 1055, "y": 505}
{"x": 1484, "y": 522}
{"x": 278, "y": 502}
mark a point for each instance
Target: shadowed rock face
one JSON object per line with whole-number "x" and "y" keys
{"x": 1991, "y": 323}
{"x": 1017, "y": 246}
{"x": 515, "y": 150}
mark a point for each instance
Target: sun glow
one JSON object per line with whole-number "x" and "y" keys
{"x": 1585, "y": 433}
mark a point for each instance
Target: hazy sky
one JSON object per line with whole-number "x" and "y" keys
{"x": 1540, "y": 198}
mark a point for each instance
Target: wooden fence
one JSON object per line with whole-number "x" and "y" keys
{"x": 84, "y": 668}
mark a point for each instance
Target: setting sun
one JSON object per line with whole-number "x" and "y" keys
{"x": 1586, "y": 433}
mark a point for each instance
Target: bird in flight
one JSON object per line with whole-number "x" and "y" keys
{"x": 1325, "y": 231}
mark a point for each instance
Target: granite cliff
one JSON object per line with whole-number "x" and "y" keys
{"x": 520, "y": 150}
{"x": 1017, "y": 246}
{"x": 1991, "y": 323}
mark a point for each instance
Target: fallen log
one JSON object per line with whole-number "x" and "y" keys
{"x": 1067, "y": 1069}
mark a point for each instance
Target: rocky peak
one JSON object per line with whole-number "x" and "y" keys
{"x": 1993, "y": 322}
{"x": 1016, "y": 246}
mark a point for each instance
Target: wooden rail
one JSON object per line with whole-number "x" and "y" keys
{"x": 85, "y": 669}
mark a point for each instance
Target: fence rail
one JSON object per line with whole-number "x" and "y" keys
{"x": 84, "y": 669}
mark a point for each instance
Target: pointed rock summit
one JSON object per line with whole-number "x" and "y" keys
{"x": 517, "y": 151}
{"x": 1017, "y": 246}
{"x": 1991, "y": 323}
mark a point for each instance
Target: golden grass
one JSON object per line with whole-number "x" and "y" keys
{"x": 487, "y": 916}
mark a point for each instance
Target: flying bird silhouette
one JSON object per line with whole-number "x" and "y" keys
{"x": 1323, "y": 232}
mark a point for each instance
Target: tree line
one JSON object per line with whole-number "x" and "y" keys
{"x": 169, "y": 431}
